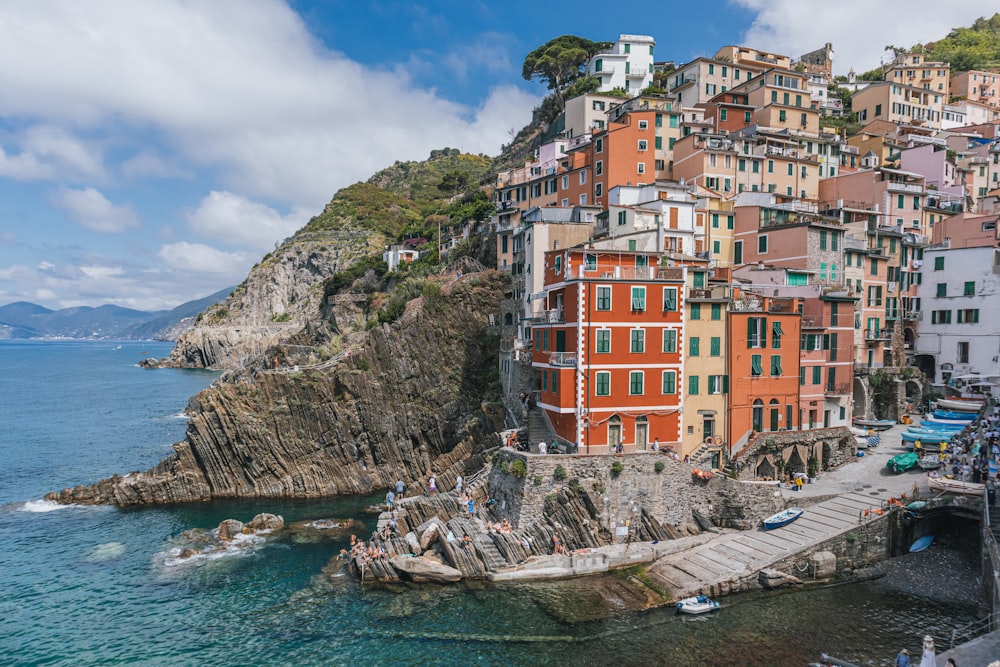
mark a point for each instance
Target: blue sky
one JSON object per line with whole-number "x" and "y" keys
{"x": 152, "y": 152}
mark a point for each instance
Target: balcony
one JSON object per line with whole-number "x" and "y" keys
{"x": 906, "y": 187}
{"x": 626, "y": 273}
{"x": 635, "y": 73}
{"x": 811, "y": 322}
{"x": 912, "y": 315}
{"x": 566, "y": 359}
{"x": 875, "y": 336}
{"x": 839, "y": 389}
{"x": 719, "y": 293}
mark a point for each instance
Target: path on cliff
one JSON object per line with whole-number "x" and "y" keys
{"x": 844, "y": 495}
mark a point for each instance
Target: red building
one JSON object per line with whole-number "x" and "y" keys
{"x": 609, "y": 349}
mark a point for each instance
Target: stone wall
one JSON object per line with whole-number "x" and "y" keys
{"x": 832, "y": 447}
{"x": 672, "y": 497}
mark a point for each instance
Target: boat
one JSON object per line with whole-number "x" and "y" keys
{"x": 948, "y": 485}
{"x": 960, "y": 404}
{"x": 917, "y": 505}
{"x": 876, "y": 424}
{"x": 699, "y": 604}
{"x": 942, "y": 424}
{"x": 930, "y": 462}
{"x": 921, "y": 544}
{"x": 902, "y": 462}
{"x": 925, "y": 437}
{"x": 955, "y": 415}
{"x": 782, "y": 518}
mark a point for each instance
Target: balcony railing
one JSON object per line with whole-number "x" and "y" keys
{"x": 906, "y": 187}
{"x": 882, "y": 334}
{"x": 838, "y": 389}
{"x": 627, "y": 273}
{"x": 712, "y": 293}
{"x": 567, "y": 359}
{"x": 912, "y": 314}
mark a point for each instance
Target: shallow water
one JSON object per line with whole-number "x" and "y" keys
{"x": 96, "y": 585}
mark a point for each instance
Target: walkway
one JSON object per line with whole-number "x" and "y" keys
{"x": 834, "y": 504}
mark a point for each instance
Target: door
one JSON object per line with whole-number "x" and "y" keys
{"x": 614, "y": 433}
{"x": 707, "y": 428}
{"x": 641, "y": 435}
{"x": 774, "y": 419}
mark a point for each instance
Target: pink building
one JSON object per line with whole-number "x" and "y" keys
{"x": 968, "y": 230}
{"x": 977, "y": 86}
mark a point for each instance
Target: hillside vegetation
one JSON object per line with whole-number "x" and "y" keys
{"x": 976, "y": 47}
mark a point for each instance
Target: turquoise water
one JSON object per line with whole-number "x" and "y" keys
{"x": 96, "y": 586}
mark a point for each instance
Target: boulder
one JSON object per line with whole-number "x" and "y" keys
{"x": 229, "y": 529}
{"x": 428, "y": 536}
{"x": 266, "y": 522}
{"x": 424, "y": 570}
{"x": 413, "y": 542}
{"x": 775, "y": 579}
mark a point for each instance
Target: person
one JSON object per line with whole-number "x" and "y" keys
{"x": 458, "y": 485}
{"x": 542, "y": 447}
{"x": 798, "y": 483}
{"x": 389, "y": 497}
{"x": 472, "y": 507}
{"x": 432, "y": 485}
{"x": 656, "y": 444}
{"x": 903, "y": 659}
{"x": 400, "y": 487}
{"x": 929, "y": 656}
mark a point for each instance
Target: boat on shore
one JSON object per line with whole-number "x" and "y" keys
{"x": 943, "y": 424}
{"x": 921, "y": 544}
{"x": 698, "y": 604}
{"x": 960, "y": 404}
{"x": 875, "y": 424}
{"x": 954, "y": 415}
{"x": 782, "y": 518}
{"x": 948, "y": 485}
{"x": 930, "y": 462}
{"x": 902, "y": 462}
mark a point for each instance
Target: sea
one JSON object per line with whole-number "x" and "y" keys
{"x": 103, "y": 586}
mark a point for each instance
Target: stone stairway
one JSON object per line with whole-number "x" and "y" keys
{"x": 724, "y": 562}
{"x": 538, "y": 429}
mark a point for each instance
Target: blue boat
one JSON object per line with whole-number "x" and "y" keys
{"x": 926, "y": 437}
{"x": 954, "y": 416}
{"x": 782, "y": 518}
{"x": 938, "y": 425}
{"x": 921, "y": 544}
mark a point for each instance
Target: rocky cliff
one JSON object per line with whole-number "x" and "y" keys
{"x": 411, "y": 399}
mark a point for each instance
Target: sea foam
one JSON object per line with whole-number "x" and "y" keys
{"x": 44, "y": 506}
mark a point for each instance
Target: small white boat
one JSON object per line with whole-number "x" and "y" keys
{"x": 875, "y": 424}
{"x": 930, "y": 462}
{"x": 960, "y": 404}
{"x": 782, "y": 518}
{"x": 699, "y": 604}
{"x": 956, "y": 486}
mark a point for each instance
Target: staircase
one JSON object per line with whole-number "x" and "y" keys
{"x": 538, "y": 429}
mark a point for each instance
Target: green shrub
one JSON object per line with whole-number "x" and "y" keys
{"x": 597, "y": 487}
{"x": 537, "y": 480}
{"x": 559, "y": 474}
{"x": 518, "y": 469}
{"x": 552, "y": 498}
{"x": 575, "y": 485}
{"x": 616, "y": 468}
{"x": 659, "y": 466}
{"x": 282, "y": 317}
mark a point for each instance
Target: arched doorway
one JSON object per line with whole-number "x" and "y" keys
{"x": 794, "y": 463}
{"x": 641, "y": 433}
{"x": 757, "y": 416}
{"x": 765, "y": 469}
{"x": 614, "y": 432}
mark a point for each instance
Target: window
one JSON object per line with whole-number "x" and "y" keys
{"x": 802, "y": 375}
{"x": 598, "y": 167}
{"x": 658, "y": 143}
{"x": 970, "y": 288}
{"x": 602, "y": 383}
{"x": 694, "y": 346}
{"x": 817, "y": 375}
{"x": 670, "y": 340}
{"x": 583, "y": 177}
{"x": 603, "y": 341}
{"x": 715, "y": 346}
{"x": 643, "y": 145}
{"x": 942, "y": 289}
{"x": 738, "y": 252}
{"x": 762, "y": 244}
{"x": 756, "y": 370}
{"x": 643, "y": 124}
{"x": 669, "y": 298}
{"x": 775, "y": 364}
{"x": 776, "y": 334}
{"x": 599, "y": 145}
{"x": 590, "y": 262}
{"x": 756, "y": 332}
{"x": 638, "y": 298}
{"x": 669, "y": 382}
{"x": 822, "y": 239}
{"x": 746, "y": 116}
{"x": 635, "y": 383}
{"x": 555, "y": 381}
{"x": 723, "y": 115}
{"x": 695, "y": 311}
{"x": 716, "y": 311}
{"x": 782, "y": 116}
{"x": 963, "y": 352}
{"x": 770, "y": 166}
{"x": 638, "y": 341}
{"x": 641, "y": 168}
{"x": 693, "y": 385}
{"x": 604, "y": 297}
{"x": 718, "y": 384}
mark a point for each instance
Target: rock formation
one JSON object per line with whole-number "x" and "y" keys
{"x": 407, "y": 403}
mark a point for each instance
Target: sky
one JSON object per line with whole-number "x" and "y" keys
{"x": 152, "y": 152}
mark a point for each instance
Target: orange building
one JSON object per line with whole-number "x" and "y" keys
{"x": 763, "y": 366}
{"x": 609, "y": 350}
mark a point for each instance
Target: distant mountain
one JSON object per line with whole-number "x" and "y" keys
{"x": 29, "y": 320}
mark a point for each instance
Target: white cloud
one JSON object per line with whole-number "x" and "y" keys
{"x": 228, "y": 217}
{"x": 92, "y": 209}
{"x": 149, "y": 164}
{"x": 101, "y": 272}
{"x": 204, "y": 259}
{"x": 239, "y": 87}
{"x": 858, "y": 29}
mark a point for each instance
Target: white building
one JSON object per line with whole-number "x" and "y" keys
{"x": 627, "y": 65}
{"x": 959, "y": 328}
